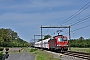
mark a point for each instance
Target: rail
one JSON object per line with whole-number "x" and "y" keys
{"x": 78, "y": 54}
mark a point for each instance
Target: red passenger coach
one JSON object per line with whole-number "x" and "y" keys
{"x": 59, "y": 43}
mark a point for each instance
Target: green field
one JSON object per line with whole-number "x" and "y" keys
{"x": 86, "y": 50}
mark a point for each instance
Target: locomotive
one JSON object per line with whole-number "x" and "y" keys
{"x": 57, "y": 43}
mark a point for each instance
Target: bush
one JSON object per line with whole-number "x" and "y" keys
{"x": 1, "y": 48}
{"x": 32, "y": 50}
{"x": 7, "y": 49}
{"x": 1, "y": 55}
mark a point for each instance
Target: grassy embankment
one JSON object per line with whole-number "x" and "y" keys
{"x": 42, "y": 55}
{"x": 86, "y": 50}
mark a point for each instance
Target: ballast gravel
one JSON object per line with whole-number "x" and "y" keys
{"x": 64, "y": 57}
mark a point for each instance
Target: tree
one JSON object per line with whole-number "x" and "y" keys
{"x": 10, "y": 38}
{"x": 81, "y": 38}
{"x": 47, "y": 36}
{"x": 40, "y": 40}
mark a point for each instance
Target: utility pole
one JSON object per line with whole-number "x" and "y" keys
{"x": 41, "y": 33}
{"x": 56, "y": 27}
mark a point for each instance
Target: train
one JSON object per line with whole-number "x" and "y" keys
{"x": 57, "y": 43}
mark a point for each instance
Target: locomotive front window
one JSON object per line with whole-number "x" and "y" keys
{"x": 61, "y": 39}
{"x": 64, "y": 39}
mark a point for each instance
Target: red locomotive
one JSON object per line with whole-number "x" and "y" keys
{"x": 58, "y": 43}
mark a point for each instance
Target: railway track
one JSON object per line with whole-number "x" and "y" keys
{"x": 70, "y": 55}
{"x": 78, "y": 54}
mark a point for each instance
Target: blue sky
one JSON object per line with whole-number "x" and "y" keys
{"x": 26, "y": 16}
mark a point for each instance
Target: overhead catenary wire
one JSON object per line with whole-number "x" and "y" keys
{"x": 79, "y": 28}
{"x": 81, "y": 20}
{"x": 76, "y": 13}
{"x": 48, "y": 30}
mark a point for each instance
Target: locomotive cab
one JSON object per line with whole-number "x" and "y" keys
{"x": 61, "y": 43}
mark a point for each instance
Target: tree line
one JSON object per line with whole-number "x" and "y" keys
{"x": 81, "y": 42}
{"x": 10, "y": 38}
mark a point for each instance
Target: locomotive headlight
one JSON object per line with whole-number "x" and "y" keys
{"x": 65, "y": 45}
{"x": 58, "y": 45}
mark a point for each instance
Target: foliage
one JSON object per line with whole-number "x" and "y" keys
{"x": 47, "y": 36}
{"x": 81, "y": 38}
{"x": 7, "y": 49}
{"x": 40, "y": 40}
{"x": 1, "y": 48}
{"x": 1, "y": 55}
{"x": 10, "y": 38}
{"x": 32, "y": 50}
{"x": 81, "y": 42}
{"x": 86, "y": 50}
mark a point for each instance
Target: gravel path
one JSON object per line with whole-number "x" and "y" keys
{"x": 21, "y": 56}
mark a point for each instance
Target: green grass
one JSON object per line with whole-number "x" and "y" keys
{"x": 42, "y": 55}
{"x": 86, "y": 50}
{"x": 32, "y": 50}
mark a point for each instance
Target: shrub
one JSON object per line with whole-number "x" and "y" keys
{"x": 1, "y": 48}
{"x": 7, "y": 49}
{"x": 1, "y": 55}
{"x": 32, "y": 50}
